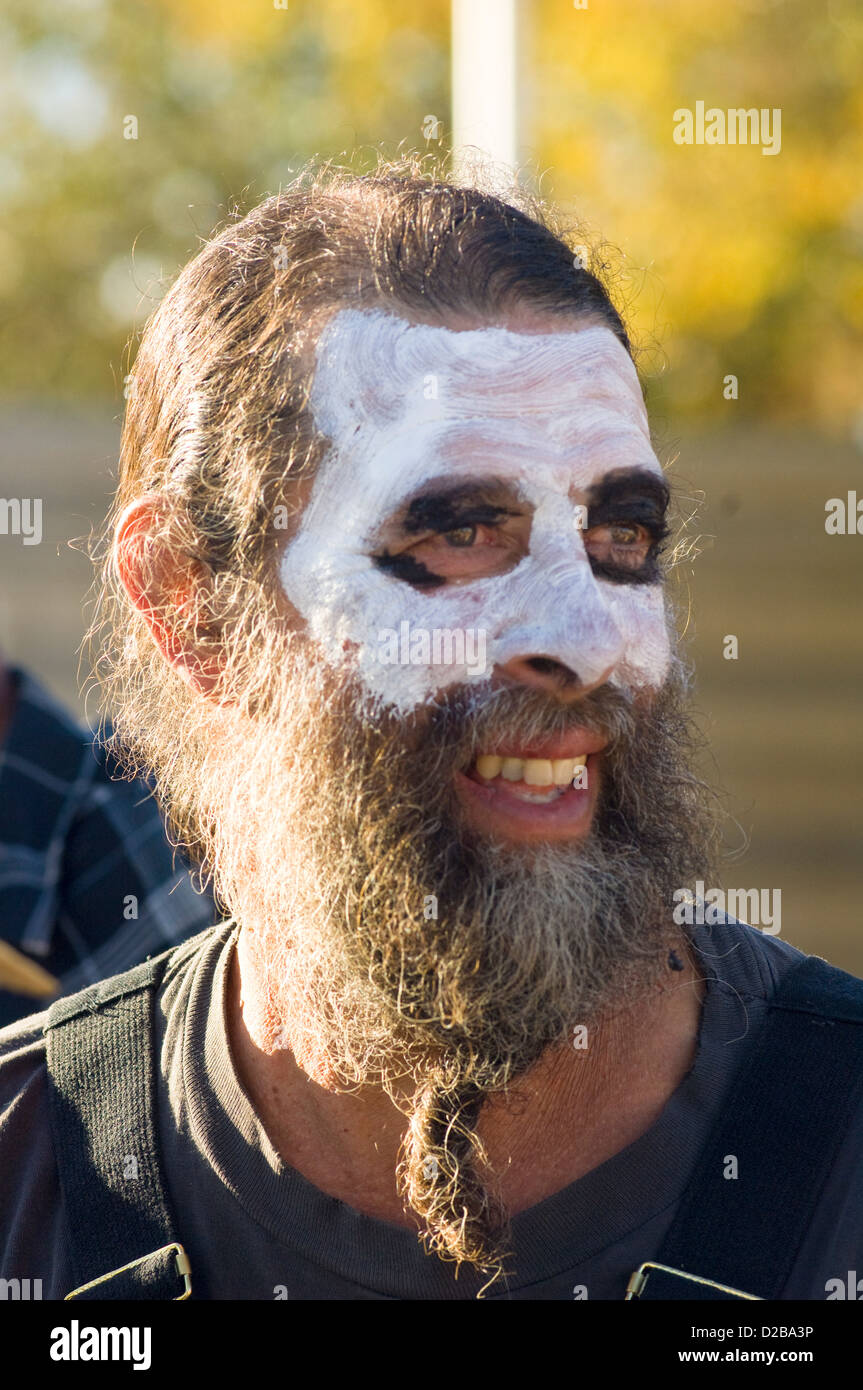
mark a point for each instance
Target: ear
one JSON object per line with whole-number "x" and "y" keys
{"x": 165, "y": 585}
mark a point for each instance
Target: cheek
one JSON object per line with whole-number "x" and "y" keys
{"x": 406, "y": 645}
{"x": 403, "y": 644}
{"x": 641, "y": 617}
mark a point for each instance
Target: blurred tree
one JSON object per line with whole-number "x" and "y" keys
{"x": 129, "y": 130}
{"x": 736, "y": 261}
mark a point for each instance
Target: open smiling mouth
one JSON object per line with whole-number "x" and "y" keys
{"x": 521, "y": 795}
{"x": 538, "y": 780}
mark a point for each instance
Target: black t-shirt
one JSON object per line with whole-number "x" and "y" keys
{"x": 256, "y": 1229}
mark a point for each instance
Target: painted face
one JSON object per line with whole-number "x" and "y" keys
{"x": 495, "y": 486}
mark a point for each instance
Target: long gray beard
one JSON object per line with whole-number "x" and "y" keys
{"x": 395, "y": 947}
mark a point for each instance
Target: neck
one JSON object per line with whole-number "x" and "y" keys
{"x": 574, "y": 1109}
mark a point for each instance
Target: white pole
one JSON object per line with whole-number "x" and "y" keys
{"x": 485, "y": 81}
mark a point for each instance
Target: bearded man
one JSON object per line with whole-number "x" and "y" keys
{"x": 386, "y": 619}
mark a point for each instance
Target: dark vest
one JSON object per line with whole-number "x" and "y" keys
{"x": 784, "y": 1119}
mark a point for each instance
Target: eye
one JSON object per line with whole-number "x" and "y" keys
{"x": 623, "y": 551}
{"x": 487, "y": 540}
{"x": 461, "y": 537}
{"x": 625, "y": 535}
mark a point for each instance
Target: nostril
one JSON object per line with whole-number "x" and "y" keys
{"x": 547, "y": 666}
{"x": 546, "y": 673}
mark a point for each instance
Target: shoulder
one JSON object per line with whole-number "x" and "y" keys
{"x": 757, "y": 964}
{"x": 52, "y": 761}
{"x": 34, "y": 1240}
{"x": 22, "y": 1057}
{"x": 32, "y": 1226}
{"x": 798, "y": 1021}
{"x": 35, "y": 705}
{"x": 158, "y": 973}
{"x": 62, "y": 754}
{"x": 24, "y": 1048}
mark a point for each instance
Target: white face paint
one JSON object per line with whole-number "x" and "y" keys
{"x": 409, "y": 407}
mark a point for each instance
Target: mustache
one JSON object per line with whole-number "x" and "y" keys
{"x": 466, "y": 721}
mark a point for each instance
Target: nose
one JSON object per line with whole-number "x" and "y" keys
{"x": 564, "y": 637}
{"x": 550, "y": 675}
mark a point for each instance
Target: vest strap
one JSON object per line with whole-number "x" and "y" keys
{"x": 104, "y": 1117}
{"x": 783, "y": 1123}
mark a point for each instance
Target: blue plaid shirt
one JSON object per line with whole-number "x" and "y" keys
{"x": 88, "y": 883}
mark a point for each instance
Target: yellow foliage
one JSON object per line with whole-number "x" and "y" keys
{"x": 729, "y": 239}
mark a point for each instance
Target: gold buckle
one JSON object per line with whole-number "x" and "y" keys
{"x": 639, "y": 1279}
{"x": 184, "y": 1271}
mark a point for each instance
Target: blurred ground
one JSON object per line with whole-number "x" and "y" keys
{"x": 783, "y": 719}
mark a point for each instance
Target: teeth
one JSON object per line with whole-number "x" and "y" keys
{"x": 538, "y": 798}
{"x": 535, "y": 772}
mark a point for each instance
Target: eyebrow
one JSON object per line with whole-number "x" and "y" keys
{"x": 643, "y": 495}
{"x": 637, "y": 493}
{"x": 445, "y": 508}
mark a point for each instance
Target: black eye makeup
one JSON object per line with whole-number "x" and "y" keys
{"x": 455, "y": 533}
{"x": 458, "y": 532}
{"x": 626, "y": 527}
{"x": 441, "y": 512}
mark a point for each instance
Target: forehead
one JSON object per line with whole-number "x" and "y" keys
{"x": 409, "y": 403}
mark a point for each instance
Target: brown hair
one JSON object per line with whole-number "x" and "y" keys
{"x": 217, "y": 419}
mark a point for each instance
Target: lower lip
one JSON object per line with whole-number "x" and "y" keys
{"x": 492, "y": 808}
